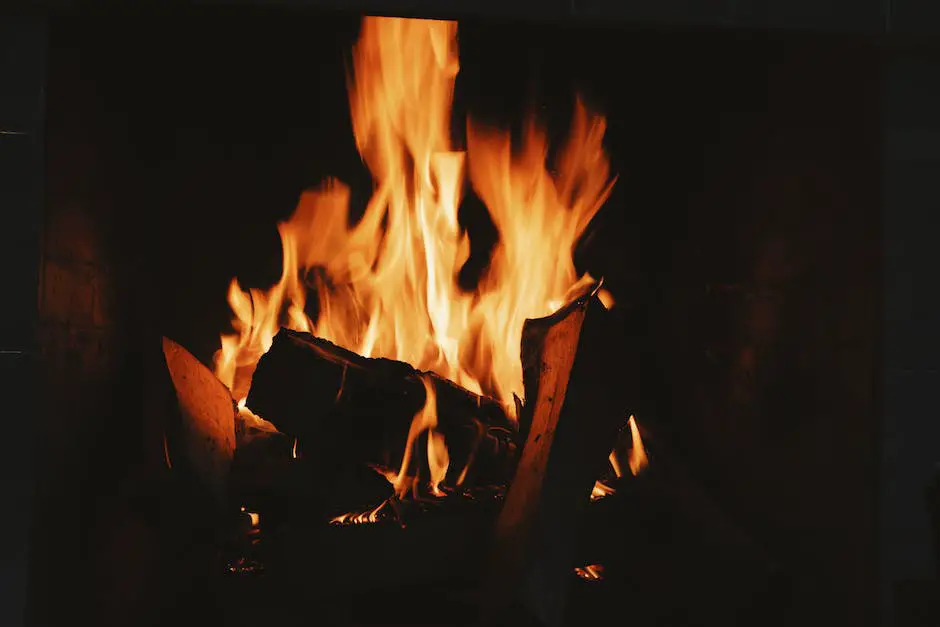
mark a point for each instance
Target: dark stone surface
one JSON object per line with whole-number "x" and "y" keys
{"x": 22, "y": 75}
{"x": 832, "y": 15}
{"x": 876, "y": 17}
{"x": 914, "y": 16}
{"x": 22, "y": 67}
{"x": 911, "y": 435}
{"x": 837, "y": 15}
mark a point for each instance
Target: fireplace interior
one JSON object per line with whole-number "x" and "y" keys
{"x": 740, "y": 243}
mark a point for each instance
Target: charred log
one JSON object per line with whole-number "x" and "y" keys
{"x": 346, "y": 409}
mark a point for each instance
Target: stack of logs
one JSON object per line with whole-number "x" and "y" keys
{"x": 342, "y": 412}
{"x": 508, "y": 530}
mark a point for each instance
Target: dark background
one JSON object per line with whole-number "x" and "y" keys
{"x": 745, "y": 236}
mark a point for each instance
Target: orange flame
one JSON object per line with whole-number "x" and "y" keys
{"x": 636, "y": 461}
{"x": 591, "y": 572}
{"x": 438, "y": 461}
{"x": 601, "y": 490}
{"x": 424, "y": 420}
{"x": 360, "y": 518}
{"x": 253, "y": 517}
{"x": 387, "y": 286}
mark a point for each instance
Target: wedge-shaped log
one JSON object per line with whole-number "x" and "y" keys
{"x": 568, "y": 440}
{"x": 204, "y": 438}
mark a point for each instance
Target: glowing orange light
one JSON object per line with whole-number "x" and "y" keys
{"x": 387, "y": 286}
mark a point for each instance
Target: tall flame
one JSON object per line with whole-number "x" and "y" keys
{"x": 638, "y": 459}
{"x": 424, "y": 420}
{"x": 387, "y": 286}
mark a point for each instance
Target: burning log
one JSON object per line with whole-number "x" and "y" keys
{"x": 329, "y": 398}
{"x": 566, "y": 447}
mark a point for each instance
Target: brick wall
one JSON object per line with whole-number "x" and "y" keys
{"x": 80, "y": 429}
{"x": 75, "y": 291}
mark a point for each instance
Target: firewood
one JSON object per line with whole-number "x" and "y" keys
{"x": 566, "y": 447}
{"x": 348, "y": 409}
{"x": 204, "y": 438}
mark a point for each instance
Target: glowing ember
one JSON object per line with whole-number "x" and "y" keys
{"x": 387, "y": 286}
{"x": 253, "y": 517}
{"x": 601, "y": 490}
{"x": 591, "y": 572}
{"x": 361, "y": 518}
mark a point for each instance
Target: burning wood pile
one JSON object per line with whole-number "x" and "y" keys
{"x": 443, "y": 432}
{"x": 467, "y": 468}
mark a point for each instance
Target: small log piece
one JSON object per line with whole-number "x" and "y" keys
{"x": 569, "y": 438}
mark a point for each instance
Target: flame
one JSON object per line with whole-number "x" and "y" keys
{"x": 387, "y": 286}
{"x": 438, "y": 461}
{"x": 424, "y": 420}
{"x": 636, "y": 461}
{"x": 253, "y": 517}
{"x": 601, "y": 489}
{"x": 615, "y": 463}
{"x": 403, "y": 482}
{"x": 360, "y": 518}
{"x": 591, "y": 572}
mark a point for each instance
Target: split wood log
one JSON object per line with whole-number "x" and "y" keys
{"x": 568, "y": 440}
{"x": 204, "y": 439}
{"x": 348, "y": 409}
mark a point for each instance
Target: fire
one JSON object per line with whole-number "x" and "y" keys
{"x": 636, "y": 462}
{"x": 601, "y": 490}
{"x": 387, "y": 285}
{"x": 253, "y": 517}
{"x": 591, "y": 572}
{"x": 361, "y": 518}
{"x": 424, "y": 420}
